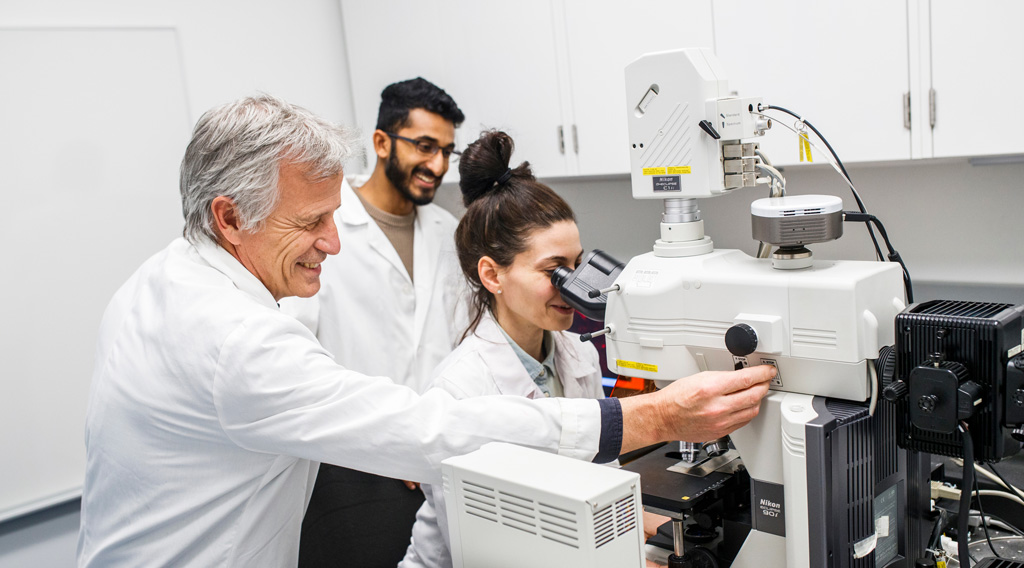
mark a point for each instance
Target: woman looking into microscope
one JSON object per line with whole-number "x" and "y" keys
{"x": 516, "y": 231}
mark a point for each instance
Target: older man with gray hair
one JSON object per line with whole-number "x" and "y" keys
{"x": 210, "y": 408}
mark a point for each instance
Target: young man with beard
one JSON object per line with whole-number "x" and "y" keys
{"x": 390, "y": 305}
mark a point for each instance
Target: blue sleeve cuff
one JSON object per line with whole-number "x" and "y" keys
{"x": 611, "y": 430}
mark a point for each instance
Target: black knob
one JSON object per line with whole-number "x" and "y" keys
{"x": 895, "y": 391}
{"x": 1018, "y": 397}
{"x": 741, "y": 340}
{"x": 927, "y": 402}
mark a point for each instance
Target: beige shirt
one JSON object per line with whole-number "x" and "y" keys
{"x": 397, "y": 228}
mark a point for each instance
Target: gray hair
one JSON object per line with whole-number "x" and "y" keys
{"x": 236, "y": 150}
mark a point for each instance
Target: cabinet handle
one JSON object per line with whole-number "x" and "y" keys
{"x": 561, "y": 139}
{"x": 575, "y": 140}
{"x": 931, "y": 107}
{"x": 906, "y": 110}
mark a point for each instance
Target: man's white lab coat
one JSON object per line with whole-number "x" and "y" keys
{"x": 370, "y": 315}
{"x": 484, "y": 364}
{"x": 210, "y": 409}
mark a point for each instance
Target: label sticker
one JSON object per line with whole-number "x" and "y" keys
{"x": 887, "y": 545}
{"x": 654, "y": 171}
{"x": 638, "y": 366}
{"x": 679, "y": 170}
{"x": 768, "y": 507}
{"x": 666, "y": 183}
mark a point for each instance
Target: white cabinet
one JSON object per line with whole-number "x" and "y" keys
{"x": 548, "y": 72}
{"x": 496, "y": 60}
{"x": 841, "y": 65}
{"x": 602, "y": 37}
{"x": 975, "y": 72}
{"x": 847, "y": 67}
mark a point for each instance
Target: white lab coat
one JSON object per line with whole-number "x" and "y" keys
{"x": 210, "y": 409}
{"x": 485, "y": 364}
{"x": 369, "y": 314}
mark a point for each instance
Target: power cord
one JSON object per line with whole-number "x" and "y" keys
{"x": 839, "y": 163}
{"x": 893, "y": 256}
{"x": 963, "y": 530}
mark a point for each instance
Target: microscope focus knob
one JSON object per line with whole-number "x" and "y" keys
{"x": 895, "y": 391}
{"x": 741, "y": 340}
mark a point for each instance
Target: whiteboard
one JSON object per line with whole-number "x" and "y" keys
{"x": 93, "y": 124}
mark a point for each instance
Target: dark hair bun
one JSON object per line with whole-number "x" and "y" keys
{"x": 484, "y": 163}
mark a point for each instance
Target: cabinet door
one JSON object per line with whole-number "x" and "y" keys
{"x": 602, "y": 37}
{"x": 841, "y": 65}
{"x": 496, "y": 60}
{"x": 975, "y": 66}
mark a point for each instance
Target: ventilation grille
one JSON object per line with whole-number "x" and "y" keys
{"x": 705, "y": 328}
{"x": 998, "y": 563}
{"x": 804, "y": 228}
{"x": 814, "y": 338}
{"x": 614, "y": 520}
{"x": 799, "y": 212}
{"x": 521, "y": 513}
{"x": 962, "y": 309}
{"x": 977, "y": 343}
{"x": 860, "y": 486}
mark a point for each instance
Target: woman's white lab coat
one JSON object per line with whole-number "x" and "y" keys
{"x": 210, "y": 408}
{"x": 485, "y": 364}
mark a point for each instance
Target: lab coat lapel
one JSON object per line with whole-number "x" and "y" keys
{"x": 509, "y": 374}
{"x": 426, "y": 246}
{"x": 353, "y": 213}
{"x": 572, "y": 369}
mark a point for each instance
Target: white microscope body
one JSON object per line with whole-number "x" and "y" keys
{"x": 826, "y": 484}
{"x": 820, "y": 323}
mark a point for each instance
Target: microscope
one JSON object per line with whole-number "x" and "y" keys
{"x": 817, "y": 479}
{"x": 827, "y": 475}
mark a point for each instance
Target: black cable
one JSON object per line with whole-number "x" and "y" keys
{"x": 842, "y": 168}
{"x": 940, "y": 525}
{"x": 893, "y": 256}
{"x": 984, "y": 524}
{"x": 964, "y": 513}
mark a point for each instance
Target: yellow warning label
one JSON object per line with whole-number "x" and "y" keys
{"x": 638, "y": 366}
{"x": 654, "y": 171}
{"x": 679, "y": 170}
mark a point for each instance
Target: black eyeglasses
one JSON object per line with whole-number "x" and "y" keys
{"x": 428, "y": 147}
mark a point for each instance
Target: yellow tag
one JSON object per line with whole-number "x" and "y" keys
{"x": 654, "y": 171}
{"x": 638, "y": 366}
{"x": 940, "y": 564}
{"x": 679, "y": 170}
{"x": 805, "y": 146}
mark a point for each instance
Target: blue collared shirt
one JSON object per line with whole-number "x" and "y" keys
{"x": 543, "y": 373}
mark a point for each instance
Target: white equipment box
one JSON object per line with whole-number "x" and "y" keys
{"x": 551, "y": 510}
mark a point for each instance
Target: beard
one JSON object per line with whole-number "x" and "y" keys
{"x": 402, "y": 180}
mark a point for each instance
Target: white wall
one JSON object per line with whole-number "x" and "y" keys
{"x": 228, "y": 49}
{"x": 958, "y": 227}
